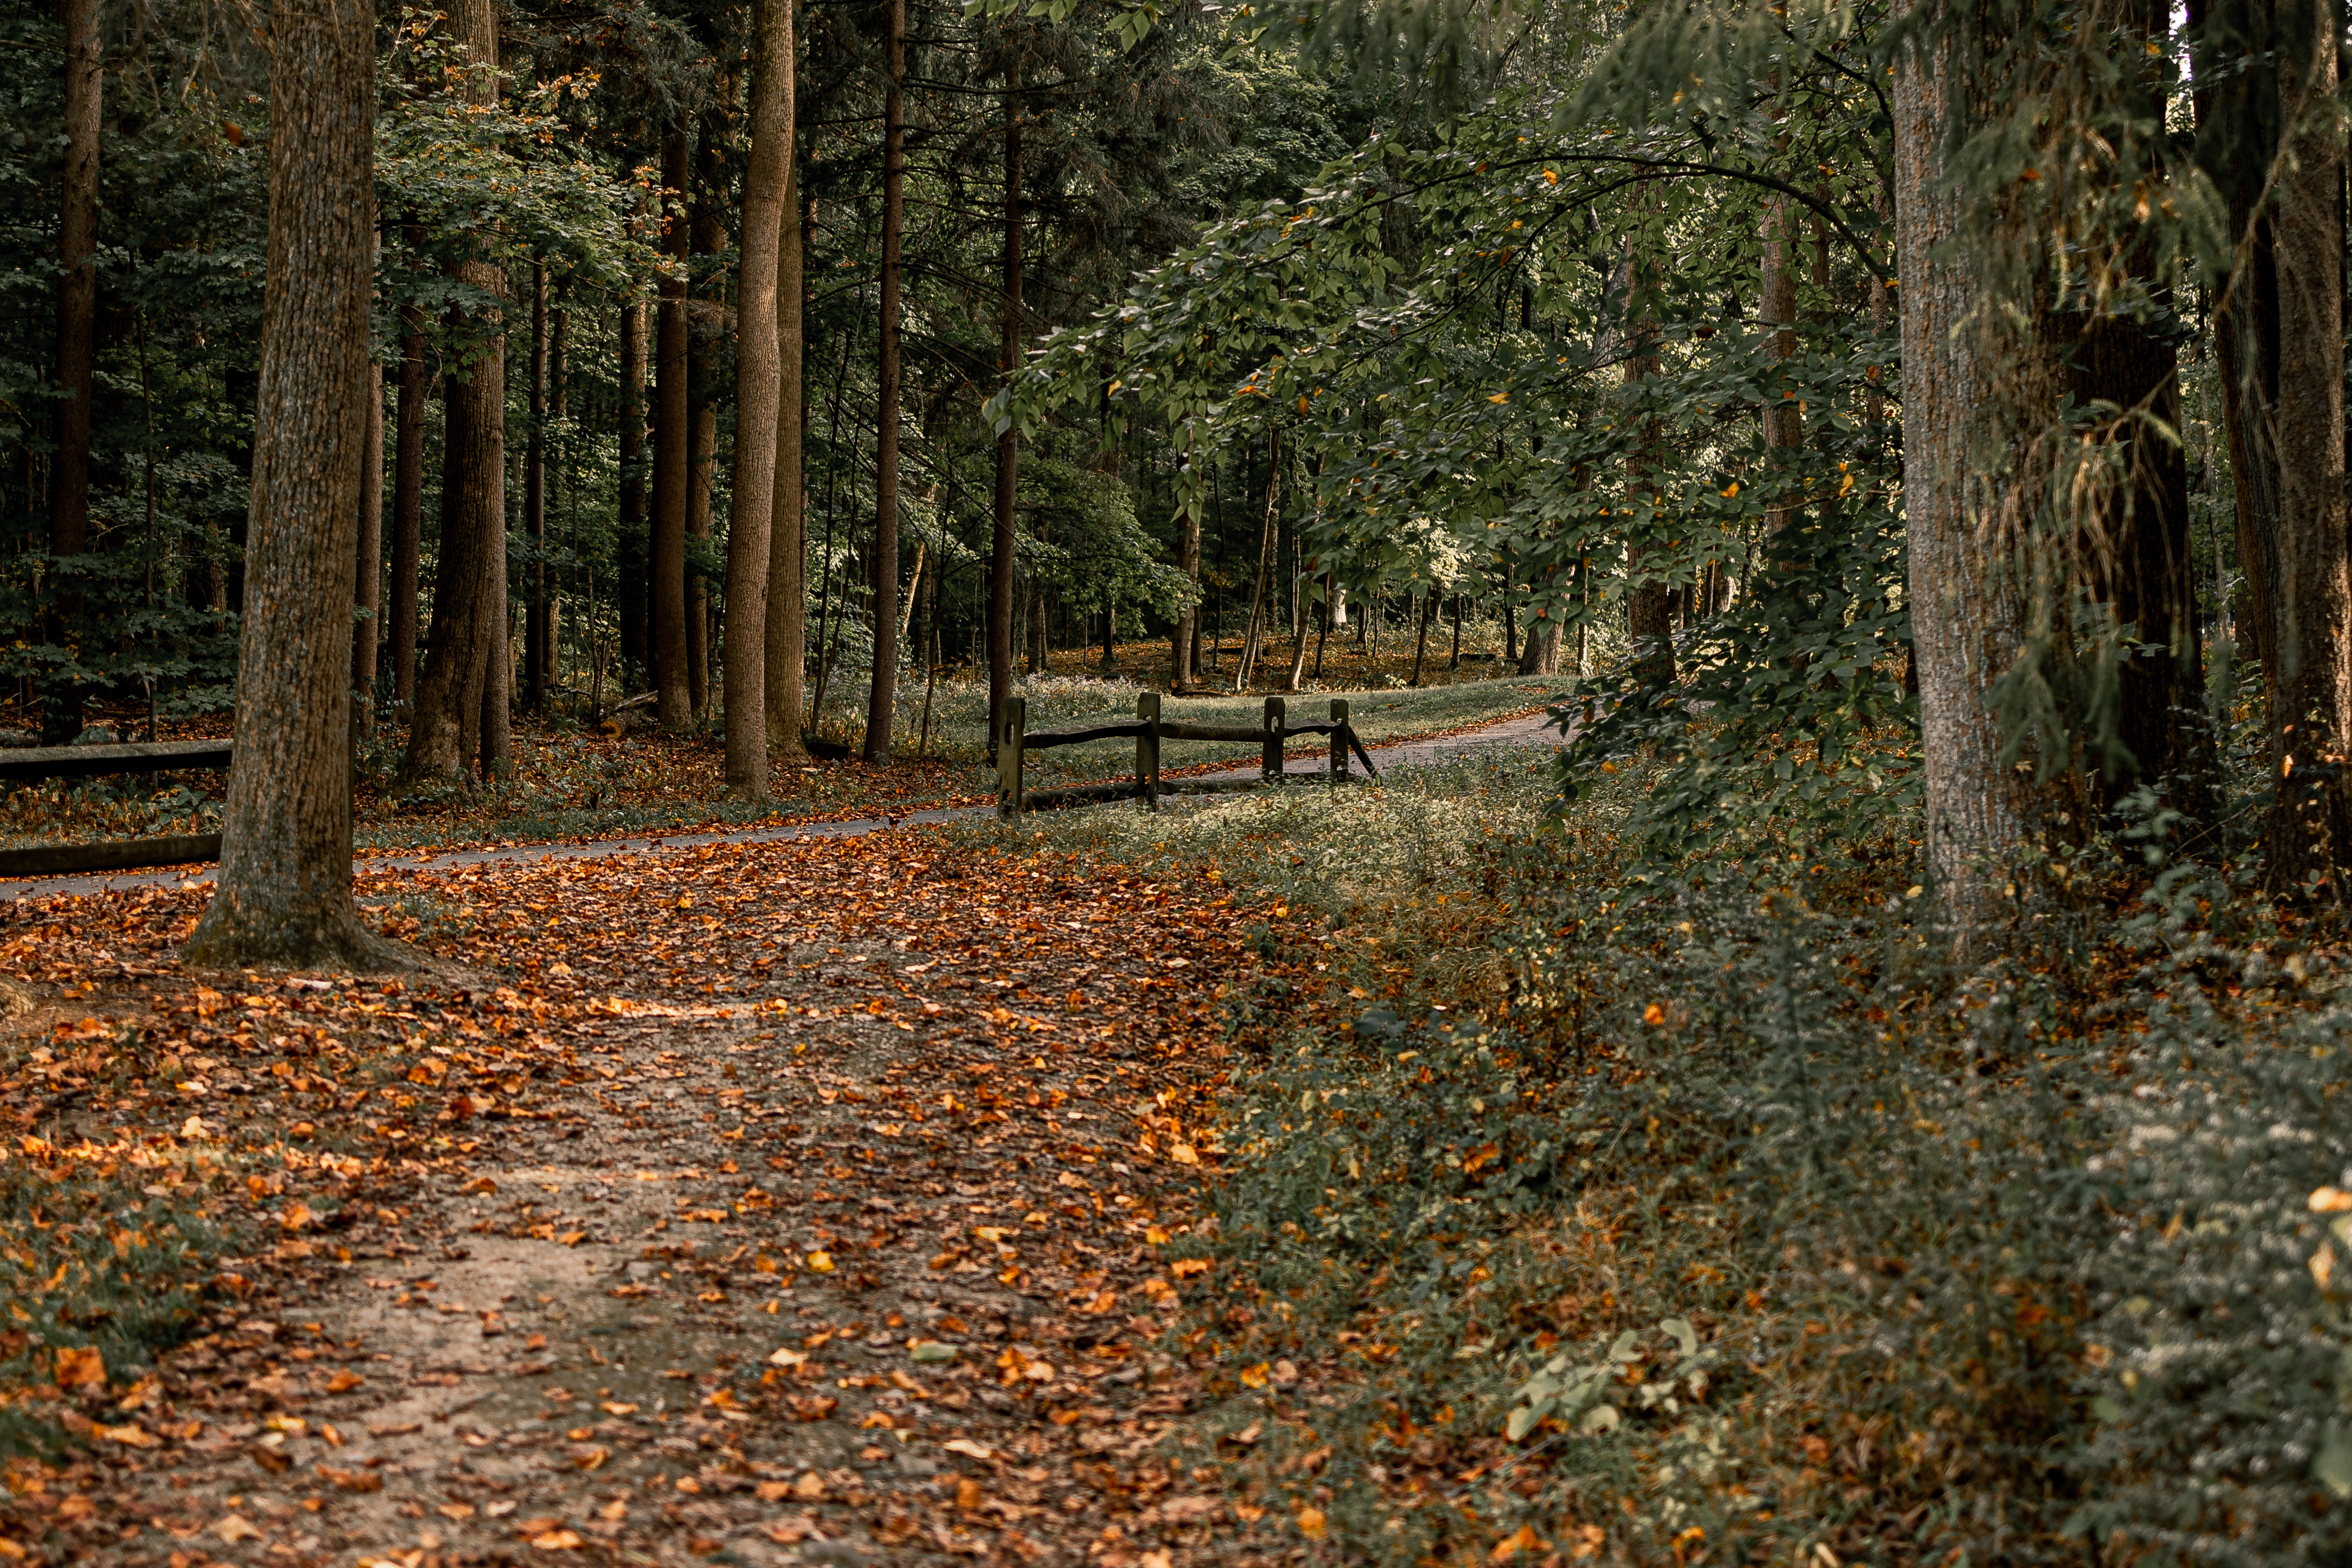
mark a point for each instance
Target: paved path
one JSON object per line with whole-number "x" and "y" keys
{"x": 1528, "y": 731}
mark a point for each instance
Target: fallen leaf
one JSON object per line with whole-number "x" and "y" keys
{"x": 557, "y": 1540}
{"x": 1310, "y": 1523}
{"x": 233, "y": 1528}
{"x": 968, "y": 1448}
{"x": 810, "y": 1488}
{"x": 80, "y": 1366}
{"x": 344, "y": 1381}
{"x": 132, "y": 1437}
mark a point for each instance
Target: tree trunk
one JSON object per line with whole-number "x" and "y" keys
{"x": 2309, "y": 837}
{"x": 367, "y": 589}
{"x": 534, "y": 503}
{"x": 61, "y": 705}
{"x": 1968, "y": 617}
{"x": 550, "y": 628}
{"x": 759, "y": 408}
{"x": 787, "y": 629}
{"x": 674, "y": 709}
{"x": 1008, "y": 443}
{"x": 1267, "y": 537}
{"x": 1784, "y": 423}
{"x": 408, "y": 506}
{"x": 468, "y": 629}
{"x": 706, "y": 341}
{"x": 1185, "y": 642}
{"x": 1540, "y": 653}
{"x": 284, "y": 891}
{"x": 884, "y": 696}
{"x": 633, "y": 594}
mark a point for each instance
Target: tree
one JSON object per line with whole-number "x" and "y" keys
{"x": 759, "y": 405}
{"x": 407, "y": 503}
{"x": 883, "y": 697}
{"x": 674, "y": 708}
{"x": 61, "y": 713}
{"x": 465, "y": 675}
{"x": 1004, "y": 535}
{"x": 787, "y": 629}
{"x": 284, "y": 893}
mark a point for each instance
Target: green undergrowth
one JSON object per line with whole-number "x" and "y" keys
{"x": 1727, "y": 1219}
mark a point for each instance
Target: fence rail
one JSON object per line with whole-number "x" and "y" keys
{"x": 1015, "y": 741}
{"x": 26, "y": 765}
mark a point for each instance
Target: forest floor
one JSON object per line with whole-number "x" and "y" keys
{"x": 790, "y": 1201}
{"x": 573, "y": 781}
{"x": 822, "y": 1200}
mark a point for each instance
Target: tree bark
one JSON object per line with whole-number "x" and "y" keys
{"x": 367, "y": 590}
{"x": 759, "y": 405}
{"x": 787, "y": 629}
{"x": 1008, "y": 442}
{"x": 632, "y": 594}
{"x": 534, "y": 504}
{"x": 446, "y": 733}
{"x": 1968, "y": 616}
{"x": 407, "y": 505}
{"x": 884, "y": 696}
{"x": 559, "y": 402}
{"x": 61, "y": 705}
{"x": 1784, "y": 423}
{"x": 284, "y": 892}
{"x": 674, "y": 708}
{"x": 1186, "y": 638}
{"x": 706, "y": 347}
{"x": 1267, "y": 535}
{"x": 2309, "y": 837}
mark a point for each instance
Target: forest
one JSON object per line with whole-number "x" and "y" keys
{"x": 1814, "y": 1034}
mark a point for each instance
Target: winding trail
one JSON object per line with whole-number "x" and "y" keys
{"x": 1528, "y": 729}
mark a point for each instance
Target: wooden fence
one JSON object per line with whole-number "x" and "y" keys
{"x": 28, "y": 763}
{"x": 1015, "y": 741}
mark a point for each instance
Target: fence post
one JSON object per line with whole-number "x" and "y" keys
{"x": 1270, "y": 758}
{"x": 1147, "y": 749}
{"x": 1339, "y": 739}
{"x": 1008, "y": 758}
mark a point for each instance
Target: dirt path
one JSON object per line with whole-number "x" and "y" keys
{"x": 1531, "y": 730}
{"x": 804, "y": 1201}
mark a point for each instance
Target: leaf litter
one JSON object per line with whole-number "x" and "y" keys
{"x": 799, "y": 1201}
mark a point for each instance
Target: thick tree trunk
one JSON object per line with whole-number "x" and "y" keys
{"x": 367, "y": 590}
{"x": 787, "y": 629}
{"x": 284, "y": 893}
{"x": 759, "y": 409}
{"x": 2309, "y": 837}
{"x": 674, "y": 709}
{"x": 1967, "y": 615}
{"x": 407, "y": 506}
{"x": 534, "y": 504}
{"x": 446, "y": 733}
{"x": 1540, "y": 653}
{"x": 1008, "y": 443}
{"x": 883, "y": 698}
{"x": 632, "y": 594}
{"x": 61, "y": 706}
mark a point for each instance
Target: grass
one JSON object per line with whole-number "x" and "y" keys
{"x": 1729, "y": 1220}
